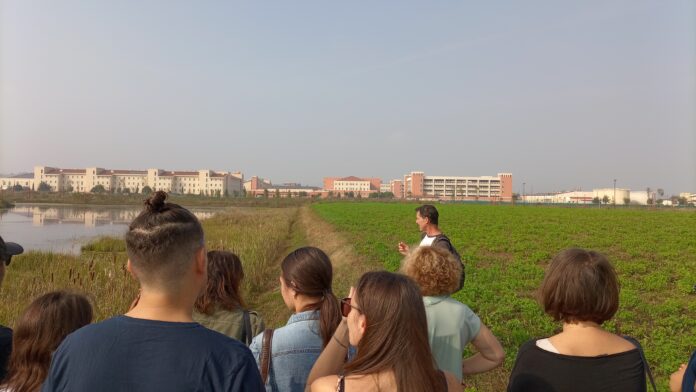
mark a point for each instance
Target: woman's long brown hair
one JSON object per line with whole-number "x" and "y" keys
{"x": 308, "y": 271}
{"x": 223, "y": 289}
{"x": 38, "y": 333}
{"x": 396, "y": 336}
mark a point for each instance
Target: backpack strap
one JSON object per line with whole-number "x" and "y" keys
{"x": 266, "y": 354}
{"x": 646, "y": 366}
{"x": 443, "y": 239}
{"x": 247, "y": 328}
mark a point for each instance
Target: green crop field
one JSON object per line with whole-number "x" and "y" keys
{"x": 506, "y": 248}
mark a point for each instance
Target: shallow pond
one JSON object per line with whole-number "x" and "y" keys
{"x": 65, "y": 228}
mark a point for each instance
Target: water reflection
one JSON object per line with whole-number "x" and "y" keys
{"x": 66, "y": 228}
{"x": 89, "y": 216}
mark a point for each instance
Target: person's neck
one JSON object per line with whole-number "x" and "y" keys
{"x": 304, "y": 303}
{"x": 432, "y": 231}
{"x": 163, "y": 306}
{"x": 581, "y": 327}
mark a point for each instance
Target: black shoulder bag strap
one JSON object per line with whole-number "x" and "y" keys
{"x": 247, "y": 328}
{"x": 645, "y": 361}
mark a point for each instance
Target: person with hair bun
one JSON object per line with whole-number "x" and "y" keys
{"x": 305, "y": 284}
{"x": 156, "y": 345}
{"x": 220, "y": 306}
{"x": 451, "y": 324}
{"x": 38, "y": 332}
{"x": 580, "y": 290}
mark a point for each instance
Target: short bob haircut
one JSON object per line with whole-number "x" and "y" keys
{"x": 436, "y": 271}
{"x": 580, "y": 285}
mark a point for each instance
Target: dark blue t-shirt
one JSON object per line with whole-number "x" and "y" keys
{"x": 129, "y": 354}
{"x": 690, "y": 375}
{"x": 5, "y": 349}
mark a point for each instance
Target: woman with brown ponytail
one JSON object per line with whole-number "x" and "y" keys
{"x": 305, "y": 284}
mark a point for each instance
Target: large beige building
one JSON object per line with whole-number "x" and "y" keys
{"x": 201, "y": 182}
{"x": 358, "y": 186}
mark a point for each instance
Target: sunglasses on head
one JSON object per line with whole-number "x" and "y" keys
{"x": 346, "y": 306}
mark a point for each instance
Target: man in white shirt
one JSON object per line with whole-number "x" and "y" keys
{"x": 427, "y": 219}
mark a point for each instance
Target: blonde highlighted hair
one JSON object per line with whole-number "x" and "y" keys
{"x": 436, "y": 271}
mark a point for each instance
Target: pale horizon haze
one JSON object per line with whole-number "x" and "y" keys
{"x": 562, "y": 94}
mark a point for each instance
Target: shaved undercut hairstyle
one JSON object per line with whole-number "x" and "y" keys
{"x": 161, "y": 242}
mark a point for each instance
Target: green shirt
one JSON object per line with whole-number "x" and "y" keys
{"x": 230, "y": 323}
{"x": 451, "y": 326}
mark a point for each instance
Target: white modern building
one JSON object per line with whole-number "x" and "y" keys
{"x": 642, "y": 197}
{"x": 573, "y": 197}
{"x": 623, "y": 196}
{"x": 582, "y": 197}
{"x": 690, "y": 197}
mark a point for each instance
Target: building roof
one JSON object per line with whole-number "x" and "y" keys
{"x": 165, "y": 173}
{"x": 352, "y": 178}
{"x": 295, "y": 186}
{"x": 126, "y": 172}
{"x": 64, "y": 171}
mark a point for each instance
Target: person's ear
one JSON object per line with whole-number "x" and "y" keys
{"x": 201, "y": 264}
{"x": 362, "y": 324}
{"x": 129, "y": 267}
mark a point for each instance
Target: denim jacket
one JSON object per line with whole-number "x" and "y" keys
{"x": 295, "y": 348}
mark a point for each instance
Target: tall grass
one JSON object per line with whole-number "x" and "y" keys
{"x": 258, "y": 235}
{"x": 102, "y": 277}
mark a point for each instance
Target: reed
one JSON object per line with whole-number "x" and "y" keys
{"x": 259, "y": 236}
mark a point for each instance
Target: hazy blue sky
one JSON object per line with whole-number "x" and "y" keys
{"x": 562, "y": 94}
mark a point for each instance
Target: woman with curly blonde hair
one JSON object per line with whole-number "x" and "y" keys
{"x": 451, "y": 324}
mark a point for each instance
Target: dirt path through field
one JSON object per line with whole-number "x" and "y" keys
{"x": 307, "y": 229}
{"x": 348, "y": 265}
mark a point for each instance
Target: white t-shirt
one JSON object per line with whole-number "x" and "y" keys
{"x": 427, "y": 241}
{"x": 545, "y": 344}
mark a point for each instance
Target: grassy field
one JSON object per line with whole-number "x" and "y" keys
{"x": 506, "y": 249}
{"x": 259, "y": 235}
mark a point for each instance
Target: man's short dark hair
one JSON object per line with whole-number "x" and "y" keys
{"x": 430, "y": 212}
{"x": 580, "y": 285}
{"x": 162, "y": 241}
